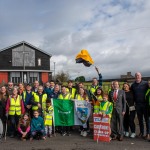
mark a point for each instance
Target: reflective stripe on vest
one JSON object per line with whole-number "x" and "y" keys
{"x": 49, "y": 116}
{"x": 78, "y": 97}
{"x": 37, "y": 99}
{"x": 15, "y": 106}
{"x": 67, "y": 96}
{"x": 73, "y": 91}
{"x": 99, "y": 98}
{"x": 93, "y": 89}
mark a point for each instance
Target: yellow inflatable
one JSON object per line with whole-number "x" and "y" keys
{"x": 85, "y": 58}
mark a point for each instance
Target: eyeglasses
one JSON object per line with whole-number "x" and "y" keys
{"x": 10, "y": 84}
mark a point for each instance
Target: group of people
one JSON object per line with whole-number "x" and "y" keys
{"x": 28, "y": 110}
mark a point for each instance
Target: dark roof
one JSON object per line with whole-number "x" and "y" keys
{"x": 24, "y": 42}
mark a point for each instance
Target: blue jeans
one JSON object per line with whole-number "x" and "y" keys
{"x": 36, "y": 133}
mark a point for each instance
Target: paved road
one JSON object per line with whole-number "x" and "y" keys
{"x": 74, "y": 142}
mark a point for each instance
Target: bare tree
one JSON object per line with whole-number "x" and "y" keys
{"x": 62, "y": 76}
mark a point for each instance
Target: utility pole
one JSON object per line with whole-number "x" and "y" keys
{"x": 54, "y": 71}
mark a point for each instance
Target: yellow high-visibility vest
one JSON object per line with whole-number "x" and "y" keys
{"x": 15, "y": 106}
{"x": 96, "y": 106}
{"x": 64, "y": 97}
{"x": 78, "y": 97}
{"x": 49, "y": 116}
{"x": 93, "y": 89}
{"x": 105, "y": 108}
{"x": 37, "y": 99}
{"x": 24, "y": 94}
{"x": 72, "y": 92}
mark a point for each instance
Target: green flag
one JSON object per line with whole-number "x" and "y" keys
{"x": 63, "y": 112}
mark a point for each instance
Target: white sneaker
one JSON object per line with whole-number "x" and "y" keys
{"x": 84, "y": 134}
{"x": 133, "y": 135}
{"x": 127, "y": 134}
{"x": 124, "y": 133}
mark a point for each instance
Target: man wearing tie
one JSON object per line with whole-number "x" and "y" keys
{"x": 117, "y": 97}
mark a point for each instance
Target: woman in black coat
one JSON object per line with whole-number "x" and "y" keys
{"x": 3, "y": 100}
{"x": 130, "y": 112}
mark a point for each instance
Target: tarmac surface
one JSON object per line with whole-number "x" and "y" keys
{"x": 74, "y": 142}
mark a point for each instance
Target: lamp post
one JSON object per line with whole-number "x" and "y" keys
{"x": 54, "y": 70}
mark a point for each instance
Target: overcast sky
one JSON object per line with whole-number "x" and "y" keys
{"x": 116, "y": 33}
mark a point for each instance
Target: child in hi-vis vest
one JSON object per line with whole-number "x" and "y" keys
{"x": 106, "y": 108}
{"x": 48, "y": 118}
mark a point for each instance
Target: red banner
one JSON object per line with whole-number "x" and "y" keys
{"x": 101, "y": 127}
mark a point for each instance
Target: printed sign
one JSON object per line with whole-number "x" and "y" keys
{"x": 101, "y": 128}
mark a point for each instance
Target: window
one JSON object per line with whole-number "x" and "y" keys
{"x": 15, "y": 77}
{"x": 39, "y": 61}
{"x": 33, "y": 76}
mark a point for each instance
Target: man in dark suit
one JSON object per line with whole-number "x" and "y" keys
{"x": 117, "y": 97}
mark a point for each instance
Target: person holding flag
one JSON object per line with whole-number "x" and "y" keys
{"x": 71, "y": 89}
{"x": 64, "y": 95}
{"x": 83, "y": 96}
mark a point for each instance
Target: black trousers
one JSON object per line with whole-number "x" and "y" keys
{"x": 66, "y": 129}
{"x": 14, "y": 120}
{"x": 129, "y": 121}
{"x": 142, "y": 113}
{"x": 117, "y": 123}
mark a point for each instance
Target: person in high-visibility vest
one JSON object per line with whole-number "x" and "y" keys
{"x": 106, "y": 108}
{"x": 39, "y": 101}
{"x": 64, "y": 95}
{"x": 97, "y": 99}
{"x": 14, "y": 109}
{"x": 110, "y": 88}
{"x": 27, "y": 97}
{"x": 95, "y": 82}
{"x": 35, "y": 86}
{"x": 71, "y": 89}
{"x": 48, "y": 116}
